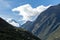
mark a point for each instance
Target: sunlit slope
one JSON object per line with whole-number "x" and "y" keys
{"x": 55, "y": 35}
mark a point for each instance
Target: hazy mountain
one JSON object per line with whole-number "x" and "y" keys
{"x": 46, "y": 23}
{"x": 9, "y": 32}
{"x": 28, "y": 26}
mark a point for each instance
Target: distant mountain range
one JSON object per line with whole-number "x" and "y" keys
{"x": 9, "y": 32}
{"x": 46, "y": 23}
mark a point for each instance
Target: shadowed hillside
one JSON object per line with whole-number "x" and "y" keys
{"x": 9, "y": 32}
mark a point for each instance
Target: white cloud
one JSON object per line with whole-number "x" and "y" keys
{"x": 29, "y": 13}
{"x": 12, "y": 22}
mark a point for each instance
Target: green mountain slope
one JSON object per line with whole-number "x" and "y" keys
{"x": 9, "y": 32}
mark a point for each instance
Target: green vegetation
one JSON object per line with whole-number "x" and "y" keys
{"x": 9, "y": 32}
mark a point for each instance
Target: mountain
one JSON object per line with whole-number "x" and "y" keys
{"x": 55, "y": 35}
{"x": 46, "y": 23}
{"x": 9, "y": 32}
{"x": 28, "y": 26}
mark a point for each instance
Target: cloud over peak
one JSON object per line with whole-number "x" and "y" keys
{"x": 29, "y": 13}
{"x": 12, "y": 22}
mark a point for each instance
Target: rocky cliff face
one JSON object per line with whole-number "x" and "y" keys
{"x": 46, "y": 23}
{"x": 55, "y": 35}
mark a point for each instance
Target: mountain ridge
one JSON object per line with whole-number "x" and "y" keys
{"x": 46, "y": 22}
{"x": 9, "y": 32}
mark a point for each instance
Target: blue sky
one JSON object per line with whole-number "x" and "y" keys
{"x": 6, "y": 6}
{"x": 34, "y": 3}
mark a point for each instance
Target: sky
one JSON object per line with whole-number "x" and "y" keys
{"x": 7, "y": 6}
